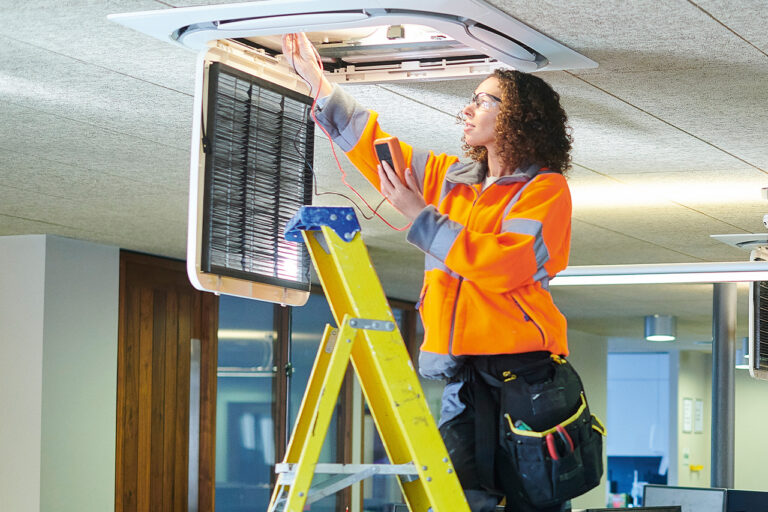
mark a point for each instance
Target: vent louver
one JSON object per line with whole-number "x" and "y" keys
{"x": 758, "y": 348}
{"x": 257, "y": 175}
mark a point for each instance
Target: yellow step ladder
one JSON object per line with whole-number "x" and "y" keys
{"x": 368, "y": 337}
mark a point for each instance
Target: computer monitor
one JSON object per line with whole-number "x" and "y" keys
{"x": 690, "y": 499}
{"x": 671, "y": 508}
{"x": 746, "y": 501}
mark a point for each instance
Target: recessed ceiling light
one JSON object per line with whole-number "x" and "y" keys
{"x": 660, "y": 328}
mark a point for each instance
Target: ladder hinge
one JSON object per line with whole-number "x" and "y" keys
{"x": 371, "y": 325}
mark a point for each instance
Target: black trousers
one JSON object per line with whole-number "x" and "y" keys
{"x": 459, "y": 437}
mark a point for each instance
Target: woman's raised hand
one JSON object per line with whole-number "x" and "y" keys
{"x": 304, "y": 59}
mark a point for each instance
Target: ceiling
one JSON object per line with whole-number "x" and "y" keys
{"x": 670, "y": 141}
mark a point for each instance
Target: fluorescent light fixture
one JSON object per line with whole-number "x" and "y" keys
{"x": 245, "y": 334}
{"x": 660, "y": 328}
{"x": 722, "y": 272}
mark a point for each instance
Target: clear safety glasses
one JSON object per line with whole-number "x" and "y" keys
{"x": 484, "y": 101}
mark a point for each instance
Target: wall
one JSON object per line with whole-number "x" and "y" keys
{"x": 58, "y": 356}
{"x": 589, "y": 355}
{"x": 22, "y": 286}
{"x": 751, "y": 451}
{"x": 694, "y": 449}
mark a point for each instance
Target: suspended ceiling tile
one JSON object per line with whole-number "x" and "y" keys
{"x": 18, "y": 225}
{"x": 142, "y": 230}
{"x": 592, "y": 244}
{"x": 77, "y": 92}
{"x": 747, "y": 20}
{"x": 47, "y": 136}
{"x": 716, "y": 109}
{"x": 75, "y": 182}
{"x": 80, "y": 32}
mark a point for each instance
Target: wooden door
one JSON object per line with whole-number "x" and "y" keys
{"x": 160, "y": 315}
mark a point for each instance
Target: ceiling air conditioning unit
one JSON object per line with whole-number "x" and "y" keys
{"x": 758, "y": 321}
{"x": 371, "y": 40}
{"x": 252, "y": 137}
{"x": 757, "y": 245}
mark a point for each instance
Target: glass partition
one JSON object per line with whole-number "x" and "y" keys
{"x": 245, "y": 427}
{"x": 307, "y": 325}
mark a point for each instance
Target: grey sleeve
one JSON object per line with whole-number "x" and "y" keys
{"x": 342, "y": 117}
{"x": 433, "y": 232}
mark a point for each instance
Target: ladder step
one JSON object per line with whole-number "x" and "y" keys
{"x": 344, "y": 475}
{"x": 288, "y": 470}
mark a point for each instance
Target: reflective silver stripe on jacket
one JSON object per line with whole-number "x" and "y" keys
{"x": 419, "y": 160}
{"x": 532, "y": 228}
{"x": 529, "y": 227}
{"x": 434, "y": 233}
{"x": 432, "y": 263}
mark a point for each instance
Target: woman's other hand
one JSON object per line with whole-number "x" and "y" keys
{"x": 406, "y": 199}
{"x": 304, "y": 59}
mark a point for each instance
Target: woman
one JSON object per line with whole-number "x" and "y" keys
{"x": 494, "y": 231}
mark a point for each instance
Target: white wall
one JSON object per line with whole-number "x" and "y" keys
{"x": 22, "y": 277}
{"x": 589, "y": 355}
{"x": 751, "y": 450}
{"x": 694, "y": 448}
{"x": 59, "y": 300}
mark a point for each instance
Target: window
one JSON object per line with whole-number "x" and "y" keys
{"x": 245, "y": 426}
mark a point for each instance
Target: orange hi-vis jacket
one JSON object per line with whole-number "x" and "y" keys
{"x": 489, "y": 252}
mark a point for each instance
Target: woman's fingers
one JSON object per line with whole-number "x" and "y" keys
{"x": 412, "y": 182}
{"x": 386, "y": 185}
{"x": 300, "y": 54}
{"x": 393, "y": 180}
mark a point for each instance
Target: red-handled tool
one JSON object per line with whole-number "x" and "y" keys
{"x": 566, "y": 437}
{"x": 551, "y": 446}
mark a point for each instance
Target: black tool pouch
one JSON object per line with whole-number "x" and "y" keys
{"x": 548, "y": 436}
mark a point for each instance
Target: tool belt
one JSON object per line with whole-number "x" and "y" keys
{"x": 550, "y": 445}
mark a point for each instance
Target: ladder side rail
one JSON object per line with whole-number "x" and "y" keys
{"x": 312, "y": 426}
{"x": 306, "y": 409}
{"x": 311, "y": 393}
{"x": 383, "y": 366}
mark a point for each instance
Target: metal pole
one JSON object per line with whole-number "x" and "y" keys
{"x": 723, "y": 415}
{"x": 193, "y": 473}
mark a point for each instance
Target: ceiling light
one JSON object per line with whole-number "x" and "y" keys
{"x": 722, "y": 272}
{"x": 742, "y": 355}
{"x": 660, "y": 328}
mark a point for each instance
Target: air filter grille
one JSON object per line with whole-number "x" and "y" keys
{"x": 760, "y": 319}
{"x": 257, "y": 174}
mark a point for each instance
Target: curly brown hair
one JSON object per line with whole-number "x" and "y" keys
{"x": 531, "y": 127}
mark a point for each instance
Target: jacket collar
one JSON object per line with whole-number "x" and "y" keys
{"x": 474, "y": 172}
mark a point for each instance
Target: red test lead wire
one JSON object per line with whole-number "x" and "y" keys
{"x": 333, "y": 150}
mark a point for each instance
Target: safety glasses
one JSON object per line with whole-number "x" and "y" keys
{"x": 484, "y": 101}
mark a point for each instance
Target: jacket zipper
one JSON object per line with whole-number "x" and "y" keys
{"x": 461, "y": 279}
{"x": 453, "y": 316}
{"x": 529, "y": 318}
